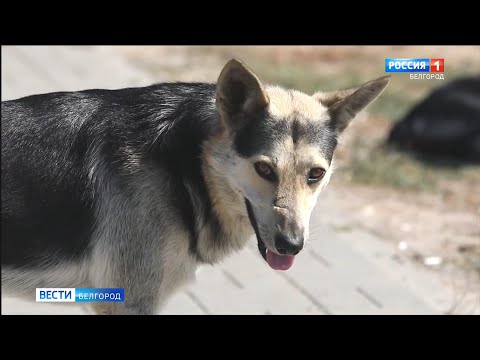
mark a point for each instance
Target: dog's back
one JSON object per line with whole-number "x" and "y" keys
{"x": 60, "y": 153}
{"x": 45, "y": 202}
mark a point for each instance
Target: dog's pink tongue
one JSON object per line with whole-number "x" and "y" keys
{"x": 279, "y": 262}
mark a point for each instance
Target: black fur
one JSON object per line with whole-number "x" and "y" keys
{"x": 50, "y": 141}
{"x": 258, "y": 135}
{"x": 251, "y": 216}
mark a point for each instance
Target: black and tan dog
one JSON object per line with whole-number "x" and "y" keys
{"x": 135, "y": 188}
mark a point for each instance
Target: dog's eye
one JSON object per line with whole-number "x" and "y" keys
{"x": 315, "y": 175}
{"x": 265, "y": 171}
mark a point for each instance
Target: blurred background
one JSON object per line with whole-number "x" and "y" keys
{"x": 398, "y": 228}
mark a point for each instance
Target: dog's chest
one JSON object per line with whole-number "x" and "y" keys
{"x": 215, "y": 243}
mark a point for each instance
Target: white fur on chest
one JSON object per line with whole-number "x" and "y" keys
{"x": 178, "y": 264}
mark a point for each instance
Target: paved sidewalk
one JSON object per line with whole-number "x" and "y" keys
{"x": 333, "y": 275}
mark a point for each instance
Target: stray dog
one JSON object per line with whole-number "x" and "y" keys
{"x": 137, "y": 187}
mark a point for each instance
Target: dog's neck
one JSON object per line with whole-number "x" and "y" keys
{"x": 228, "y": 229}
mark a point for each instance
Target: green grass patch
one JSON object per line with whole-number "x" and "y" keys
{"x": 300, "y": 78}
{"x": 391, "y": 105}
{"x": 341, "y": 228}
{"x": 385, "y": 166}
{"x": 382, "y": 166}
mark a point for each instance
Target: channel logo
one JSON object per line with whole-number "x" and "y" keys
{"x": 420, "y": 65}
{"x": 80, "y": 295}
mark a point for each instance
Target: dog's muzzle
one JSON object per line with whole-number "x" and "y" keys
{"x": 283, "y": 257}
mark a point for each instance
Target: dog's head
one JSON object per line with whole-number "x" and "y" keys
{"x": 283, "y": 141}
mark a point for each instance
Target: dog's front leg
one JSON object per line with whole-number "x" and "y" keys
{"x": 144, "y": 307}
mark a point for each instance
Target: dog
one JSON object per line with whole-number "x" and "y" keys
{"x": 137, "y": 187}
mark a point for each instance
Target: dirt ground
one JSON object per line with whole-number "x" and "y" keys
{"x": 434, "y": 221}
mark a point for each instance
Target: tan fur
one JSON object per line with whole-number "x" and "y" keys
{"x": 105, "y": 308}
{"x": 344, "y": 105}
{"x": 285, "y": 103}
{"x": 294, "y": 199}
{"x": 226, "y": 197}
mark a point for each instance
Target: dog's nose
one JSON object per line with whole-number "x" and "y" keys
{"x": 288, "y": 245}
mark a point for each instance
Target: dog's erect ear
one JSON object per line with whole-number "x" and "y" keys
{"x": 239, "y": 92}
{"x": 344, "y": 105}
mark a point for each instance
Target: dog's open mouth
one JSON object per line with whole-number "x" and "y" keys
{"x": 276, "y": 261}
